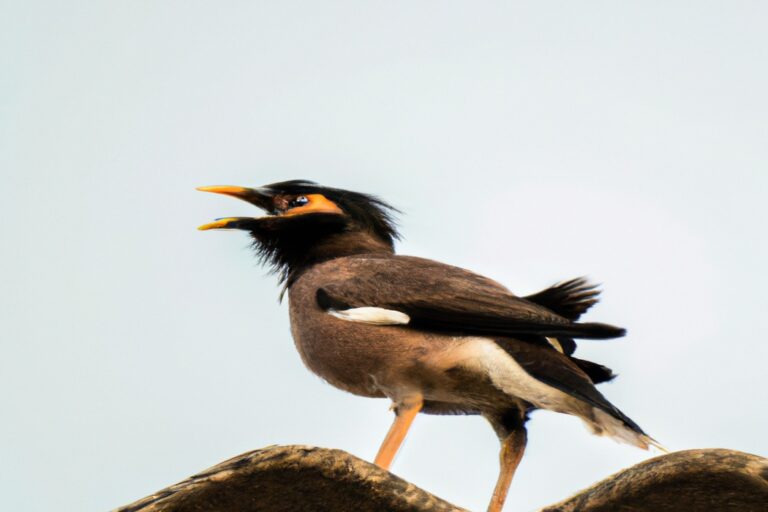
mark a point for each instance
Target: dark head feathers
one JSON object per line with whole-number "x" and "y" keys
{"x": 290, "y": 244}
{"x": 367, "y": 210}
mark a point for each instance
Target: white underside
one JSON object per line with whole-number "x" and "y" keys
{"x": 507, "y": 374}
{"x": 371, "y": 315}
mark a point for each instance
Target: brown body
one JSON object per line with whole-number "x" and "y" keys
{"x": 399, "y": 362}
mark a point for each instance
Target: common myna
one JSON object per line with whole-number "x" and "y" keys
{"x": 431, "y": 337}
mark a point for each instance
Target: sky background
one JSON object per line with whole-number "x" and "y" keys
{"x": 528, "y": 141}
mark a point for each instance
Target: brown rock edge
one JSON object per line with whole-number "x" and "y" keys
{"x": 692, "y": 480}
{"x": 305, "y": 478}
{"x": 292, "y": 478}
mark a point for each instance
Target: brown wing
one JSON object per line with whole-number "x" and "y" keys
{"x": 444, "y": 298}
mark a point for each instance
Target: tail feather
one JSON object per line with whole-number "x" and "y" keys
{"x": 618, "y": 430}
{"x": 548, "y": 379}
{"x": 596, "y": 372}
{"x": 569, "y": 299}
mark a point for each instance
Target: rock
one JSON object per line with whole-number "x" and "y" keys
{"x": 305, "y": 478}
{"x": 295, "y": 479}
{"x": 714, "y": 480}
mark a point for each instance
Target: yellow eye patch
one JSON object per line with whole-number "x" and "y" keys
{"x": 317, "y": 203}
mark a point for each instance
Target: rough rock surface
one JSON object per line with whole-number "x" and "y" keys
{"x": 304, "y": 478}
{"x": 295, "y": 479}
{"x": 691, "y": 480}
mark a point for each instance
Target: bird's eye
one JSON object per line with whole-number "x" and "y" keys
{"x": 298, "y": 201}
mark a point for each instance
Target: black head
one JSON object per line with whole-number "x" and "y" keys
{"x": 309, "y": 223}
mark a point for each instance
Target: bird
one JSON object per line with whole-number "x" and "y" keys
{"x": 431, "y": 337}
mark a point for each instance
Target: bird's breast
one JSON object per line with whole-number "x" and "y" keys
{"x": 351, "y": 356}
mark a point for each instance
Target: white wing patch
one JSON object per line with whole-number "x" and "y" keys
{"x": 373, "y": 316}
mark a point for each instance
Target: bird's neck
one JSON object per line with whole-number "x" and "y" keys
{"x": 292, "y": 255}
{"x": 347, "y": 244}
{"x": 335, "y": 246}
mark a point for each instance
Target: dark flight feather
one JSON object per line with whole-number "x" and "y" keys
{"x": 569, "y": 299}
{"x": 563, "y": 373}
{"x": 440, "y": 297}
{"x": 596, "y": 372}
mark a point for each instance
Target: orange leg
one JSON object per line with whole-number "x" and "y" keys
{"x": 512, "y": 449}
{"x": 405, "y": 412}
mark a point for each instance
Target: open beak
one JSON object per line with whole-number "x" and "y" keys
{"x": 256, "y": 196}
{"x": 229, "y": 223}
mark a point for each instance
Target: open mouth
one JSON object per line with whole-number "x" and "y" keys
{"x": 274, "y": 203}
{"x": 259, "y": 197}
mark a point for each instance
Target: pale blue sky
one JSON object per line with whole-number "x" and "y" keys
{"x": 529, "y": 141}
